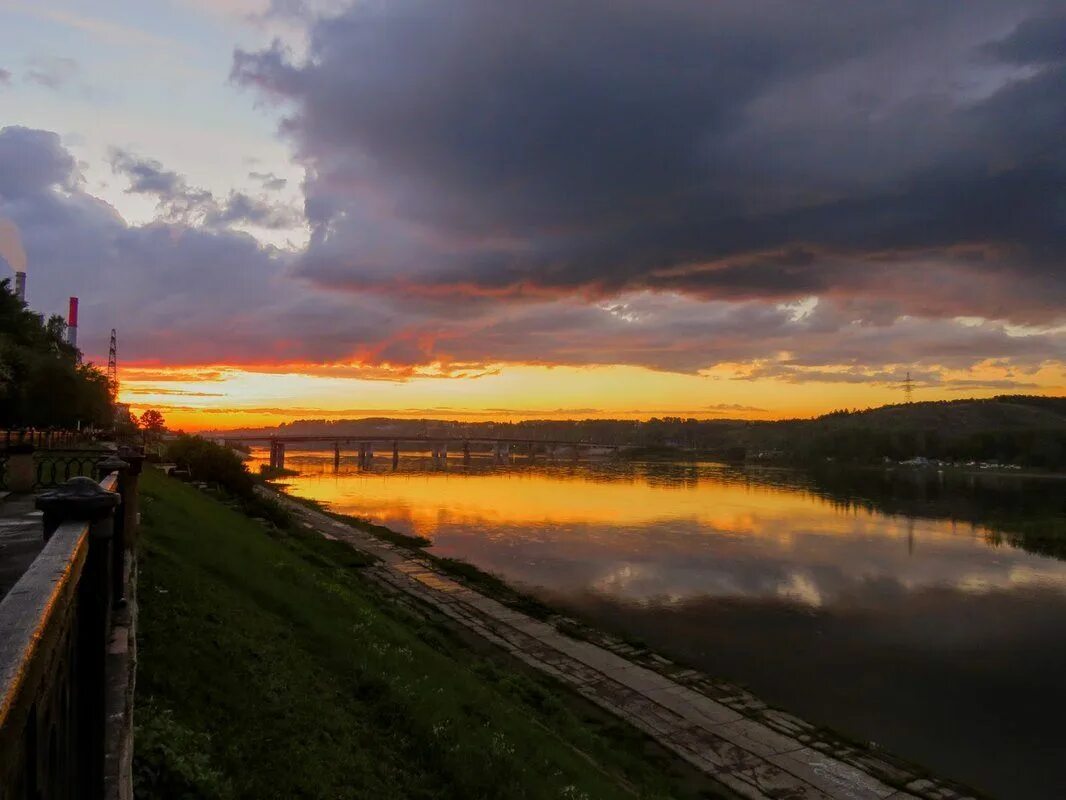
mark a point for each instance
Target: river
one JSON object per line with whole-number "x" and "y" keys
{"x": 920, "y": 610}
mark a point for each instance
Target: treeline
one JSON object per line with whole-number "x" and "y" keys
{"x": 1010, "y": 429}
{"x": 1045, "y": 449}
{"x": 43, "y": 383}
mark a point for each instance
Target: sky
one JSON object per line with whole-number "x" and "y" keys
{"x": 492, "y": 209}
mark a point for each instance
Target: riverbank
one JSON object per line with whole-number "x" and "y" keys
{"x": 270, "y": 666}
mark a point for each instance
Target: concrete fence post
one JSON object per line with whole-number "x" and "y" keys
{"x": 21, "y": 468}
{"x": 82, "y": 499}
{"x": 129, "y": 487}
{"x": 120, "y": 532}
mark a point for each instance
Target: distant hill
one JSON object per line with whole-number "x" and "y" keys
{"x": 1000, "y": 413}
{"x": 1021, "y": 429}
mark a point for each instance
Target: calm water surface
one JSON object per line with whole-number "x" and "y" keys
{"x": 922, "y": 611}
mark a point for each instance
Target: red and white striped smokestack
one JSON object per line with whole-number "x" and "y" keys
{"x": 72, "y": 323}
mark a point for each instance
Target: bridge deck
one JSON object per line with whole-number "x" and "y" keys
{"x": 296, "y": 439}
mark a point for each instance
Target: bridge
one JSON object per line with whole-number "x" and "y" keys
{"x": 500, "y": 447}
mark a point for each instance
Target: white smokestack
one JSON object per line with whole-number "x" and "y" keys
{"x": 20, "y": 286}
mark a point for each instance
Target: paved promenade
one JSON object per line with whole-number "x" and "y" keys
{"x": 21, "y": 537}
{"x": 752, "y": 750}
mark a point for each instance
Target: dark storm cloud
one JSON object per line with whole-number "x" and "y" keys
{"x": 725, "y": 150}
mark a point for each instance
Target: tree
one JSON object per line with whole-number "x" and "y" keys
{"x": 126, "y": 424}
{"x": 210, "y": 462}
{"x": 42, "y": 381}
{"x": 152, "y": 421}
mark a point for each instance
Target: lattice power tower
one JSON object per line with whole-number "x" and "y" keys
{"x": 112, "y": 365}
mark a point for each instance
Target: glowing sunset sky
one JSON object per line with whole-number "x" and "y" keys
{"x": 493, "y": 209}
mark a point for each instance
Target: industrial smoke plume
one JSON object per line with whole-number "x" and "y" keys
{"x": 11, "y": 250}
{"x": 11, "y": 245}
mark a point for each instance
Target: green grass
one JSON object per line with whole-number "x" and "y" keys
{"x": 269, "y": 667}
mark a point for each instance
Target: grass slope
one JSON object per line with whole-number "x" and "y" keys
{"x": 269, "y": 669}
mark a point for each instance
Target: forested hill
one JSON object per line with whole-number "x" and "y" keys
{"x": 1006, "y": 412}
{"x": 43, "y": 384}
{"x": 1010, "y": 429}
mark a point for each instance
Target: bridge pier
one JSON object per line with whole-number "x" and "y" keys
{"x": 336, "y": 456}
{"x": 438, "y": 452}
{"x": 503, "y": 452}
{"x": 466, "y": 452}
{"x": 395, "y": 454}
{"x": 277, "y": 454}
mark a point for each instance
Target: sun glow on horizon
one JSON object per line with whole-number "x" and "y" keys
{"x": 229, "y": 396}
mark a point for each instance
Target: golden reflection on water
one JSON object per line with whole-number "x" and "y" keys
{"x": 517, "y": 496}
{"x": 666, "y": 535}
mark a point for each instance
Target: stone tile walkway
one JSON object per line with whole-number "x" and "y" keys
{"x": 21, "y": 537}
{"x": 755, "y": 751}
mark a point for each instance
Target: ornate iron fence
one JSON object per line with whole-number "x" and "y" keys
{"x": 53, "y": 467}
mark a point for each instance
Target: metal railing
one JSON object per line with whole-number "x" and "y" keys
{"x": 55, "y": 624}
